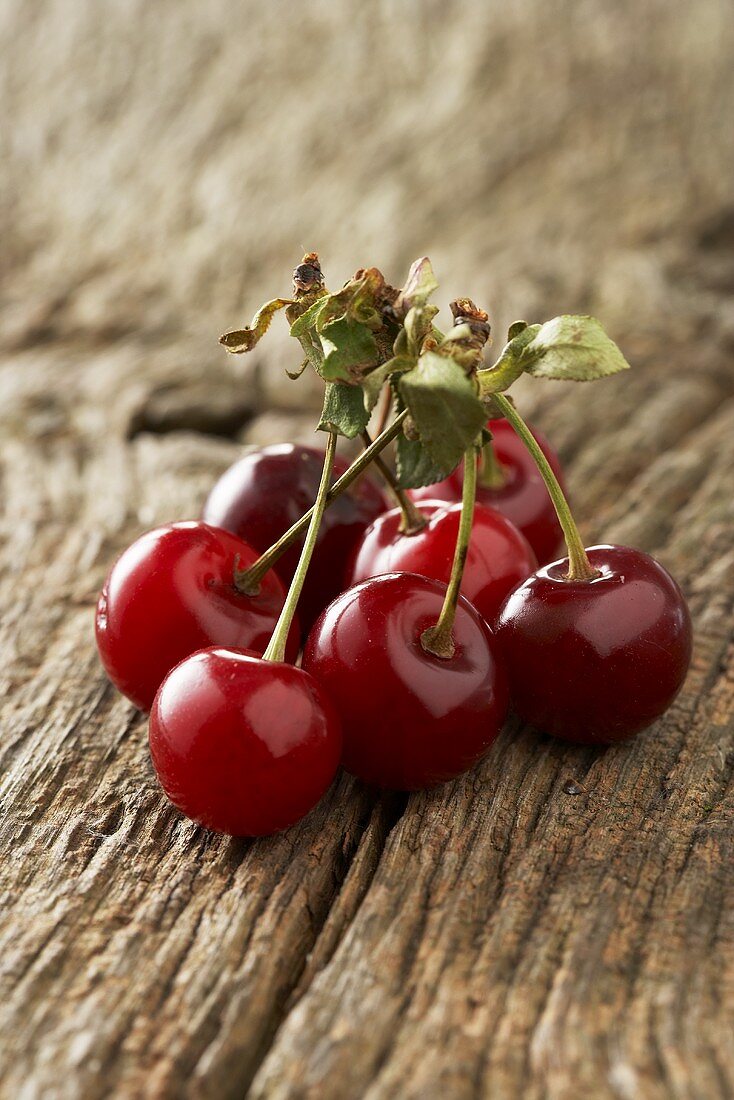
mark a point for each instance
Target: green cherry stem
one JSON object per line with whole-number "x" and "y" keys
{"x": 438, "y": 639}
{"x": 248, "y": 581}
{"x": 579, "y": 566}
{"x": 413, "y": 519}
{"x": 492, "y": 474}
{"x": 277, "y": 644}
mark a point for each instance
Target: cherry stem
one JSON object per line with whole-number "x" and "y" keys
{"x": 383, "y": 413}
{"x": 579, "y": 566}
{"x": 277, "y": 644}
{"x": 492, "y": 474}
{"x": 438, "y": 639}
{"x": 248, "y": 581}
{"x": 413, "y": 519}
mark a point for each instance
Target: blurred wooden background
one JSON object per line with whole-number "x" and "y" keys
{"x": 560, "y": 923}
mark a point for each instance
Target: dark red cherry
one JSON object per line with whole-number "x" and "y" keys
{"x": 172, "y": 592}
{"x": 596, "y": 661}
{"x": 523, "y": 498}
{"x": 264, "y": 493}
{"x": 409, "y": 719}
{"x": 499, "y": 557}
{"x": 240, "y": 745}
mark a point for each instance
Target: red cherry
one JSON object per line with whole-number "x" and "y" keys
{"x": 172, "y": 592}
{"x": 409, "y": 719}
{"x": 264, "y": 493}
{"x": 499, "y": 557}
{"x": 240, "y": 745}
{"x": 596, "y": 661}
{"x": 523, "y": 499}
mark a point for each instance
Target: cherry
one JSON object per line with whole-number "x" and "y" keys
{"x": 410, "y": 719}
{"x": 523, "y": 498}
{"x": 595, "y": 661}
{"x": 499, "y": 557}
{"x": 264, "y": 493}
{"x": 172, "y": 592}
{"x": 240, "y": 745}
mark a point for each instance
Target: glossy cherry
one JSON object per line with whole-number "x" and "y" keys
{"x": 409, "y": 719}
{"x": 499, "y": 557}
{"x": 240, "y": 745}
{"x": 523, "y": 499}
{"x": 172, "y": 592}
{"x": 596, "y": 661}
{"x": 264, "y": 493}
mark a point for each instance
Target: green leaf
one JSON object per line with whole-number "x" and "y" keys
{"x": 312, "y": 349}
{"x": 574, "y": 348}
{"x": 244, "y": 339}
{"x": 344, "y": 410}
{"x": 419, "y": 286}
{"x": 415, "y": 467}
{"x": 417, "y": 326}
{"x": 444, "y": 406}
{"x": 511, "y": 363}
{"x": 457, "y": 333}
{"x": 374, "y": 381}
{"x": 515, "y": 329}
{"x": 350, "y": 350}
{"x": 309, "y": 317}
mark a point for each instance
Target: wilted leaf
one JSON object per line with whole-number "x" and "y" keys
{"x": 418, "y": 325}
{"x": 349, "y": 350}
{"x": 444, "y": 406}
{"x": 309, "y": 317}
{"x": 419, "y": 286}
{"x": 244, "y": 339}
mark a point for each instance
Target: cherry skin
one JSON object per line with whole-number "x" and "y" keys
{"x": 264, "y": 493}
{"x": 596, "y": 661}
{"x": 409, "y": 719}
{"x": 243, "y": 746}
{"x": 499, "y": 557}
{"x": 523, "y": 498}
{"x": 172, "y": 592}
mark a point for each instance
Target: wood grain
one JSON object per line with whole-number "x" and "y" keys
{"x": 559, "y": 923}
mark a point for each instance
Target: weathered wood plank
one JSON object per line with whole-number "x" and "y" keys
{"x": 558, "y": 924}
{"x": 506, "y": 919}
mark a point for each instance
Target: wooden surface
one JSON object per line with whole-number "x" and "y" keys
{"x": 560, "y": 923}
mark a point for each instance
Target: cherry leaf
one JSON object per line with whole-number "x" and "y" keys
{"x": 418, "y": 325}
{"x": 419, "y": 286}
{"x": 374, "y": 381}
{"x": 445, "y": 407}
{"x": 344, "y": 410}
{"x": 350, "y": 350}
{"x": 511, "y": 363}
{"x": 415, "y": 467}
{"x": 244, "y": 339}
{"x": 573, "y": 348}
{"x": 309, "y": 317}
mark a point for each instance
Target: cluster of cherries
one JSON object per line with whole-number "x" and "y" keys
{"x": 246, "y": 744}
{"x": 418, "y": 620}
